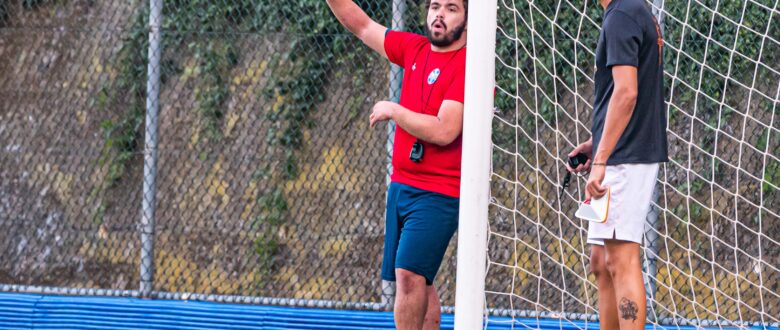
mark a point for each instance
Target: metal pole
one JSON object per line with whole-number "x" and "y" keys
{"x": 475, "y": 165}
{"x": 396, "y": 77}
{"x": 150, "y": 148}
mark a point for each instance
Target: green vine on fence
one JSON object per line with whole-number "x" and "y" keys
{"x": 125, "y": 96}
{"x": 124, "y": 99}
{"x": 3, "y": 11}
{"x": 5, "y": 7}
{"x": 213, "y": 49}
{"x": 320, "y": 45}
{"x": 214, "y": 58}
{"x": 300, "y": 84}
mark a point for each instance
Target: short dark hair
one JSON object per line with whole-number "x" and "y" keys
{"x": 465, "y": 6}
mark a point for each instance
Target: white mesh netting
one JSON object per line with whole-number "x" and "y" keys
{"x": 712, "y": 252}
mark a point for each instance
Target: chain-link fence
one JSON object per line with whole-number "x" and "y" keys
{"x": 269, "y": 182}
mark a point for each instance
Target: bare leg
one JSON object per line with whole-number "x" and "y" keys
{"x": 608, "y": 312}
{"x": 433, "y": 313}
{"x": 625, "y": 267}
{"x": 411, "y": 300}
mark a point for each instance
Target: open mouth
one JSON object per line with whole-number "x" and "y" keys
{"x": 438, "y": 26}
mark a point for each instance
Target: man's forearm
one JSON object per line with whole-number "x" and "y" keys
{"x": 350, "y": 15}
{"x": 621, "y": 107}
{"x": 357, "y": 21}
{"x": 424, "y": 127}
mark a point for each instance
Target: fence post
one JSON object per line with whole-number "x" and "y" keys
{"x": 396, "y": 77}
{"x": 150, "y": 148}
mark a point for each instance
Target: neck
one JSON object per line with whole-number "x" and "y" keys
{"x": 458, "y": 44}
{"x": 604, "y": 3}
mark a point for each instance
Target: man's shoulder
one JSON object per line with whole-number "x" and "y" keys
{"x": 402, "y": 47}
{"x": 634, "y": 9}
{"x": 404, "y": 37}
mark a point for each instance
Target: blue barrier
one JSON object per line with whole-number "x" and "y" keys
{"x": 31, "y": 311}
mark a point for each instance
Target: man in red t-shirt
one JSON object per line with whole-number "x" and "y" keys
{"x": 423, "y": 198}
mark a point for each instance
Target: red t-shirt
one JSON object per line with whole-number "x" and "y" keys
{"x": 429, "y": 79}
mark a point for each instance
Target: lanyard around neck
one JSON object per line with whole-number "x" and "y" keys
{"x": 425, "y": 71}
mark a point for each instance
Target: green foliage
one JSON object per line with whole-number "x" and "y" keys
{"x": 266, "y": 224}
{"x": 124, "y": 100}
{"x": 549, "y": 69}
{"x": 125, "y": 97}
{"x": 214, "y": 59}
{"x": 543, "y": 61}
{"x": 31, "y": 4}
{"x": 301, "y": 85}
{"x": 318, "y": 44}
{"x": 266, "y": 246}
{"x": 3, "y": 11}
{"x": 772, "y": 171}
{"x": 215, "y": 54}
{"x": 709, "y": 35}
{"x": 772, "y": 176}
{"x": 273, "y": 207}
{"x": 5, "y": 7}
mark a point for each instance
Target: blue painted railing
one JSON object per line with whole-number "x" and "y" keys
{"x": 32, "y": 311}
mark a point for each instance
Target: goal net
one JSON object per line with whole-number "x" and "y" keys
{"x": 712, "y": 242}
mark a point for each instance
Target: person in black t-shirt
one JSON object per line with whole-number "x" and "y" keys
{"x": 629, "y": 140}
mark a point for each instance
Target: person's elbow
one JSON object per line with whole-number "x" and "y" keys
{"x": 364, "y": 33}
{"x": 626, "y": 95}
{"x": 445, "y": 137}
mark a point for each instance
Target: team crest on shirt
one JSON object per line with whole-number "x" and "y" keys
{"x": 434, "y": 76}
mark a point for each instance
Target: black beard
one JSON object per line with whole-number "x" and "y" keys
{"x": 448, "y": 38}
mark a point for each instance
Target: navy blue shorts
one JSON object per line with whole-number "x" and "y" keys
{"x": 418, "y": 227}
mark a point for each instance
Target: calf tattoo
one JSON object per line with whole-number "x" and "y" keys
{"x": 628, "y": 309}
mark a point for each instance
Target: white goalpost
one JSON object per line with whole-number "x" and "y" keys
{"x": 711, "y": 256}
{"x": 475, "y": 167}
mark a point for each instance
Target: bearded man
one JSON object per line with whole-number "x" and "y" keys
{"x": 423, "y": 197}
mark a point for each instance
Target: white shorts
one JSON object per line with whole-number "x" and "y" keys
{"x": 632, "y": 188}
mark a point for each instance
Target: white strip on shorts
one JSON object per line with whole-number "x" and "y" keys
{"x": 632, "y": 188}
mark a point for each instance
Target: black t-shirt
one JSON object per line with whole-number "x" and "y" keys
{"x": 630, "y": 35}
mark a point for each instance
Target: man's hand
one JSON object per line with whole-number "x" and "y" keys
{"x": 440, "y": 130}
{"x": 383, "y": 111}
{"x": 585, "y": 148}
{"x": 594, "y": 189}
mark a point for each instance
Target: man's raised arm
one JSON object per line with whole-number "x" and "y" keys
{"x": 357, "y": 21}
